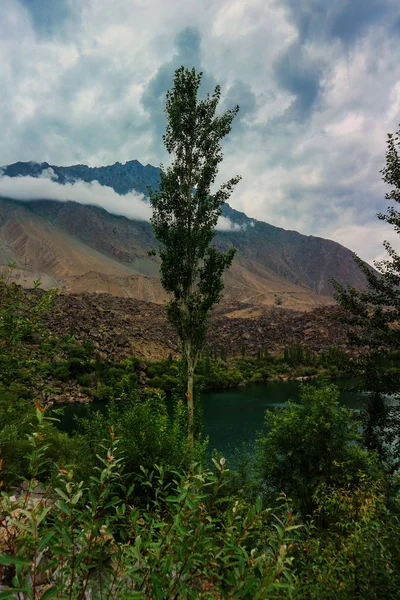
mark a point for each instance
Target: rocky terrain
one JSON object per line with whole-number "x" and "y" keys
{"x": 122, "y": 327}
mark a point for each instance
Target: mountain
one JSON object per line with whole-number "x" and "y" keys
{"x": 83, "y": 248}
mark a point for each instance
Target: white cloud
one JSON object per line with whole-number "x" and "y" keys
{"x": 131, "y": 205}
{"x": 225, "y": 224}
{"x": 366, "y": 240}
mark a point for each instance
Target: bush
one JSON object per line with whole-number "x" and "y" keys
{"x": 90, "y": 541}
{"x": 147, "y": 434}
{"x": 311, "y": 444}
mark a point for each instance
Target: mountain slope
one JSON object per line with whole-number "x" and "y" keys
{"x": 85, "y": 248}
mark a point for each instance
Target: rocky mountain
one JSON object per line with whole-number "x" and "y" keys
{"x": 82, "y": 248}
{"x": 122, "y": 178}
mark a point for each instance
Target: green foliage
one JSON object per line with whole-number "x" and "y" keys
{"x": 17, "y": 419}
{"x": 214, "y": 373}
{"x": 103, "y": 380}
{"x": 374, "y": 317}
{"x": 88, "y": 540}
{"x": 138, "y": 516}
{"x": 147, "y": 434}
{"x": 361, "y": 562}
{"x": 185, "y": 214}
{"x": 24, "y": 341}
{"x": 312, "y": 444}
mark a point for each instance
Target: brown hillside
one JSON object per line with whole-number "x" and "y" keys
{"x": 84, "y": 249}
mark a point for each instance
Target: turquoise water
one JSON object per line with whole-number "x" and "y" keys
{"x": 233, "y": 417}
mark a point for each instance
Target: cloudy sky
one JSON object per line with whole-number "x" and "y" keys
{"x": 318, "y": 84}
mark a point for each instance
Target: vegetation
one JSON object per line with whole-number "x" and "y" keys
{"x": 185, "y": 214}
{"x": 90, "y": 541}
{"x": 122, "y": 508}
{"x": 215, "y": 371}
{"x": 312, "y": 447}
{"x": 374, "y": 315}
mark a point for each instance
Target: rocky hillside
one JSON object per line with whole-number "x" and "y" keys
{"x": 122, "y": 327}
{"x": 83, "y": 248}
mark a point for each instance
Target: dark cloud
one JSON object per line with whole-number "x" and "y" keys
{"x": 299, "y": 75}
{"x": 319, "y": 21}
{"x": 395, "y": 27}
{"x": 49, "y": 16}
{"x": 187, "y": 54}
{"x": 345, "y": 20}
{"x": 318, "y": 85}
{"x": 355, "y": 17}
{"x": 242, "y": 94}
{"x": 188, "y": 46}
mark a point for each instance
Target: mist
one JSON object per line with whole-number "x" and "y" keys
{"x": 132, "y": 205}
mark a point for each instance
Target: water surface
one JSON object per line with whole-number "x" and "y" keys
{"x": 233, "y": 417}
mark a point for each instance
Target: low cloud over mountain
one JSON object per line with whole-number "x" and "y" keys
{"x": 45, "y": 186}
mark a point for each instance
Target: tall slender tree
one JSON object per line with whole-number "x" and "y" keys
{"x": 185, "y": 214}
{"x": 375, "y": 317}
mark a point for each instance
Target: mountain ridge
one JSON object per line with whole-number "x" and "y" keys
{"x": 272, "y": 266}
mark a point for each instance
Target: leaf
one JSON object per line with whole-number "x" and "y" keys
{"x": 50, "y": 593}
{"x": 11, "y": 592}
{"x": 8, "y": 559}
{"x": 62, "y": 494}
{"x": 45, "y": 540}
{"x": 76, "y": 497}
{"x": 60, "y": 550}
{"x": 39, "y": 412}
{"x": 63, "y": 507}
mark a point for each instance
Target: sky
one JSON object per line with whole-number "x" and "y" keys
{"x": 317, "y": 82}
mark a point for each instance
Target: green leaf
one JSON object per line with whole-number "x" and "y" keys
{"x": 8, "y": 559}
{"x": 50, "y": 593}
{"x": 43, "y": 542}
{"x": 11, "y": 592}
{"x": 60, "y": 550}
{"x": 76, "y": 497}
{"x": 62, "y": 494}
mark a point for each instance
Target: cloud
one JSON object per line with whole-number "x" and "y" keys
{"x": 131, "y": 205}
{"x": 187, "y": 54}
{"x": 225, "y": 224}
{"x": 45, "y": 187}
{"x": 49, "y": 16}
{"x": 299, "y": 73}
{"x": 367, "y": 240}
{"x": 345, "y": 20}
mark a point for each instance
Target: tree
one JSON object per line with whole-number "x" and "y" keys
{"x": 374, "y": 316}
{"x": 185, "y": 214}
{"x": 23, "y": 335}
{"x": 310, "y": 446}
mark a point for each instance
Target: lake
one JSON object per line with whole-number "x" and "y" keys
{"x": 233, "y": 417}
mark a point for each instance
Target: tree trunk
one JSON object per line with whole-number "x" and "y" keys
{"x": 190, "y": 404}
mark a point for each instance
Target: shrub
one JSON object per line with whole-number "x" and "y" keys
{"x": 83, "y": 541}
{"x": 313, "y": 443}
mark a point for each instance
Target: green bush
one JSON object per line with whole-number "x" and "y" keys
{"x": 147, "y": 433}
{"x": 311, "y": 444}
{"x": 90, "y": 541}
